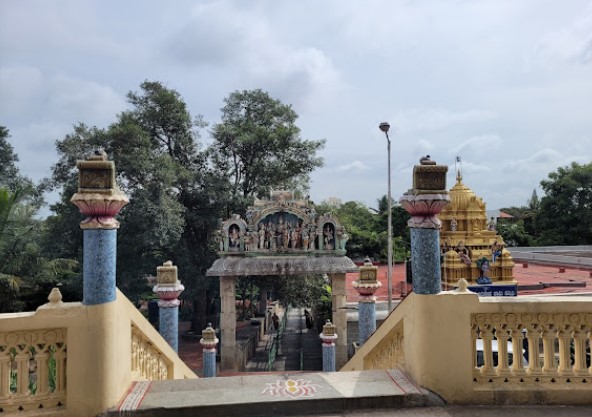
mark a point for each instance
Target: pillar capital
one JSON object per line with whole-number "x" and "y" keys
{"x": 168, "y": 287}
{"x": 328, "y": 336}
{"x": 367, "y": 282}
{"x": 428, "y": 196}
{"x": 98, "y": 197}
{"x": 208, "y": 338}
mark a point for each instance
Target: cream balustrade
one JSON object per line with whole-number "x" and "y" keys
{"x": 148, "y": 362}
{"x": 557, "y": 348}
{"x": 67, "y": 359}
{"x": 33, "y": 370}
{"x": 434, "y": 339}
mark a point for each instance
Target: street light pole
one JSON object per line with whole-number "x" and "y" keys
{"x": 384, "y": 126}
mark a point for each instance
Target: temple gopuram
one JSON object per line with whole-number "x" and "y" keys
{"x": 280, "y": 227}
{"x": 470, "y": 246}
{"x": 280, "y": 236}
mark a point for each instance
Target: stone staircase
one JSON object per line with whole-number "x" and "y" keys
{"x": 275, "y": 395}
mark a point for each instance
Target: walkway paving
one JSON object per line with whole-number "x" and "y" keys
{"x": 275, "y": 395}
{"x": 300, "y": 347}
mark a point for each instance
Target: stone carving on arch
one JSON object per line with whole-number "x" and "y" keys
{"x": 231, "y": 236}
{"x": 282, "y": 225}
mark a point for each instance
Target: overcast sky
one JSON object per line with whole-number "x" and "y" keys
{"x": 507, "y": 85}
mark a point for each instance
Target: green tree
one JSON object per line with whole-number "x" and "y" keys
{"x": 514, "y": 233}
{"x": 258, "y": 146}
{"x": 175, "y": 198}
{"x": 565, "y": 214}
{"x": 10, "y": 177}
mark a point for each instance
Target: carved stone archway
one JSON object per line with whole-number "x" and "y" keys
{"x": 280, "y": 236}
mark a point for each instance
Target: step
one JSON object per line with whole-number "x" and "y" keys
{"x": 275, "y": 395}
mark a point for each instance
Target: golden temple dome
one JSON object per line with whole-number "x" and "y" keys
{"x": 463, "y": 199}
{"x": 466, "y": 237}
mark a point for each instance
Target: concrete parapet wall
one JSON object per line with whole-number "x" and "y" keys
{"x": 100, "y": 353}
{"x": 433, "y": 338}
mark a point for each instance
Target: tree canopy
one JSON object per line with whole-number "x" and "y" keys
{"x": 258, "y": 146}
{"x": 565, "y": 213}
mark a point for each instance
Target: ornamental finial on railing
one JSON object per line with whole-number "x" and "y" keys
{"x": 98, "y": 197}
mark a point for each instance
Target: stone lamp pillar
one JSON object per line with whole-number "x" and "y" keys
{"x": 366, "y": 285}
{"x": 208, "y": 342}
{"x": 424, "y": 201}
{"x": 168, "y": 288}
{"x": 99, "y": 199}
{"x": 328, "y": 336}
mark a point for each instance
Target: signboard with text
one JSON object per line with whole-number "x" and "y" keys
{"x": 495, "y": 290}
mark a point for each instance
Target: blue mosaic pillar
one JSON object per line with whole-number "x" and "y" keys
{"x": 99, "y": 199}
{"x": 209, "y": 341}
{"x": 168, "y": 289}
{"x": 424, "y": 201}
{"x": 425, "y": 260}
{"x": 98, "y": 266}
{"x": 366, "y": 285}
{"x": 328, "y": 337}
{"x": 366, "y": 321}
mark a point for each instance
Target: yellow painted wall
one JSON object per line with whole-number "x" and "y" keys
{"x": 98, "y": 368}
{"x": 438, "y": 347}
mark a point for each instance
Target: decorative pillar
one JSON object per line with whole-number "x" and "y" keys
{"x": 339, "y": 313}
{"x": 168, "y": 288}
{"x": 99, "y": 199}
{"x": 208, "y": 342}
{"x": 424, "y": 201}
{"x": 328, "y": 336}
{"x": 366, "y": 285}
{"x": 228, "y": 324}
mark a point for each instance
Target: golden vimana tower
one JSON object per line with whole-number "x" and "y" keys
{"x": 466, "y": 238}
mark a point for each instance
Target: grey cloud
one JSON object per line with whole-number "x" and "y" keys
{"x": 437, "y": 118}
{"x": 572, "y": 44}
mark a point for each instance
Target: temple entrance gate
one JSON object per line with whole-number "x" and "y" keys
{"x": 280, "y": 236}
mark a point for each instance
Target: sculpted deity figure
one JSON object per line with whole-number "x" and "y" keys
{"x": 491, "y": 225}
{"x": 328, "y": 233}
{"x": 453, "y": 224}
{"x": 271, "y": 242}
{"x": 344, "y": 239}
{"x": 496, "y": 250}
{"x": 234, "y": 237}
{"x": 305, "y": 237}
{"x": 254, "y": 239}
{"x": 247, "y": 240}
{"x": 261, "y": 235}
{"x": 286, "y": 237}
{"x": 312, "y": 238}
{"x": 296, "y": 234}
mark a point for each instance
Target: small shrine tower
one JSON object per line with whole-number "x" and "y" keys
{"x": 470, "y": 246}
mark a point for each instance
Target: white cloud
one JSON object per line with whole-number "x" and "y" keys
{"x": 418, "y": 120}
{"x": 478, "y": 145}
{"x": 572, "y": 44}
{"x": 352, "y": 167}
{"x": 539, "y": 160}
{"x": 221, "y": 34}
